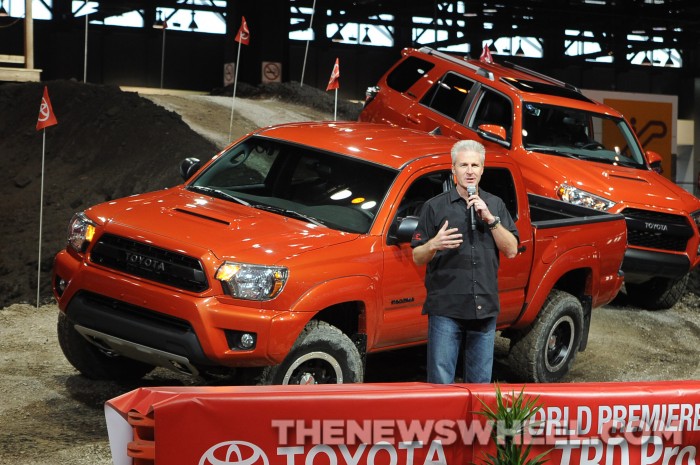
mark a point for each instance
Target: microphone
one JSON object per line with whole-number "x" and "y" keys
{"x": 471, "y": 190}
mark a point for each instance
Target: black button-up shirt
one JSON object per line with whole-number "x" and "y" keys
{"x": 463, "y": 282}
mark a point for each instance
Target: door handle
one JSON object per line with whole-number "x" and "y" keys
{"x": 413, "y": 119}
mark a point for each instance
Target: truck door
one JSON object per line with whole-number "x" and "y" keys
{"x": 403, "y": 290}
{"x": 513, "y": 273}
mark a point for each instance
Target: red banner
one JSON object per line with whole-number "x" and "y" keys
{"x": 46, "y": 115}
{"x": 405, "y": 423}
{"x": 243, "y": 36}
{"x": 333, "y": 82}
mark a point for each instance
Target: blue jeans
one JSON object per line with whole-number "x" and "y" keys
{"x": 445, "y": 337}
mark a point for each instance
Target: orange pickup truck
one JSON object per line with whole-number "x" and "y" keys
{"x": 287, "y": 257}
{"x": 567, "y": 146}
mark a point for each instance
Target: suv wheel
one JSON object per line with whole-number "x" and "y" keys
{"x": 93, "y": 362}
{"x": 321, "y": 355}
{"x": 546, "y": 351}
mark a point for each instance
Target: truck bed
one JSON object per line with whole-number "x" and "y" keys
{"x": 549, "y": 213}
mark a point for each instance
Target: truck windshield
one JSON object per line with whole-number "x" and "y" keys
{"x": 299, "y": 182}
{"x": 580, "y": 134}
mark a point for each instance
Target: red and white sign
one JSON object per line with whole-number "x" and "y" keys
{"x": 46, "y": 115}
{"x": 655, "y": 423}
{"x": 333, "y": 82}
{"x": 486, "y": 55}
{"x": 243, "y": 36}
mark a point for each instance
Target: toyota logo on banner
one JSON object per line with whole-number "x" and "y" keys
{"x": 234, "y": 453}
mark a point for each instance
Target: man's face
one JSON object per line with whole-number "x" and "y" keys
{"x": 467, "y": 169}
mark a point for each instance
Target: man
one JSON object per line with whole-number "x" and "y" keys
{"x": 462, "y": 275}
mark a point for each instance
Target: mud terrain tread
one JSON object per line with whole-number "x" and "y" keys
{"x": 90, "y": 361}
{"x": 657, "y": 293}
{"x": 319, "y": 336}
{"x": 526, "y": 352}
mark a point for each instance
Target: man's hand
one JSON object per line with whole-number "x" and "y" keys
{"x": 444, "y": 239}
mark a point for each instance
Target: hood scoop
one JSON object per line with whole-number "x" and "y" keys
{"x": 629, "y": 178}
{"x": 204, "y": 217}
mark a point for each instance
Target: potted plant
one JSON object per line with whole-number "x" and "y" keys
{"x": 509, "y": 420}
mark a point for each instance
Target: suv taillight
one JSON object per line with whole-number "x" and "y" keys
{"x": 370, "y": 93}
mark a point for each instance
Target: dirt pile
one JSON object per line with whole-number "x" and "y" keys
{"x": 107, "y": 144}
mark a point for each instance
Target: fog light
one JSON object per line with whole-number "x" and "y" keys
{"x": 61, "y": 285}
{"x": 247, "y": 341}
{"x": 240, "y": 340}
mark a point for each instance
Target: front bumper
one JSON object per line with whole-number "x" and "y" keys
{"x": 161, "y": 326}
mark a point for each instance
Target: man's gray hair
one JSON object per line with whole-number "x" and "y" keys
{"x": 468, "y": 146}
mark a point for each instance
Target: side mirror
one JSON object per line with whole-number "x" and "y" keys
{"x": 402, "y": 230}
{"x": 654, "y": 160}
{"x": 493, "y": 133}
{"x": 188, "y": 167}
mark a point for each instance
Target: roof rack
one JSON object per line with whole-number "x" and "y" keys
{"x": 478, "y": 69}
{"x": 523, "y": 69}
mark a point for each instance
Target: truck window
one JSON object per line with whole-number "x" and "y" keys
{"x": 407, "y": 73}
{"x": 499, "y": 182}
{"x": 449, "y": 96}
{"x": 336, "y": 191}
{"x": 493, "y": 108}
{"x": 422, "y": 189}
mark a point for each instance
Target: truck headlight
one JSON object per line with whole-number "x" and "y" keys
{"x": 252, "y": 282}
{"x": 577, "y": 196}
{"x": 696, "y": 217}
{"x": 80, "y": 232}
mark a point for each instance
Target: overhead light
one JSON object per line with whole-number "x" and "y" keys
{"x": 519, "y": 52}
{"x": 366, "y": 39}
{"x": 193, "y": 24}
{"x": 646, "y": 61}
{"x": 338, "y": 37}
{"x": 669, "y": 61}
{"x": 159, "y": 24}
{"x": 3, "y": 11}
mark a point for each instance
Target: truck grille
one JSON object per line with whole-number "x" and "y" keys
{"x": 657, "y": 230}
{"x": 149, "y": 262}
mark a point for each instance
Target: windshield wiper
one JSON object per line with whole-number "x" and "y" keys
{"x": 551, "y": 151}
{"x": 290, "y": 213}
{"x": 218, "y": 193}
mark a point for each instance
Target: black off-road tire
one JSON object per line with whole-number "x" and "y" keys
{"x": 694, "y": 281}
{"x": 544, "y": 353}
{"x": 92, "y": 362}
{"x": 657, "y": 293}
{"x": 322, "y": 354}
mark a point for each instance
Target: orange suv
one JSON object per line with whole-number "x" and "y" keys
{"x": 568, "y": 147}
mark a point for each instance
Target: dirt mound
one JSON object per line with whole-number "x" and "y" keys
{"x": 107, "y": 144}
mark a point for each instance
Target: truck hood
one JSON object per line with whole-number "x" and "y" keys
{"x": 230, "y": 231}
{"x": 623, "y": 185}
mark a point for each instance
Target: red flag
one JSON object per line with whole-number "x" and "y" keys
{"x": 486, "y": 55}
{"x": 243, "y": 36}
{"x": 46, "y": 115}
{"x": 335, "y": 74}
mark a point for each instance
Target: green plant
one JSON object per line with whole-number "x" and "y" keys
{"x": 508, "y": 421}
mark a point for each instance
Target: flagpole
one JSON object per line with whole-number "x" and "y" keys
{"x": 41, "y": 216}
{"x": 86, "y": 50}
{"x": 311, "y": 25}
{"x": 233, "y": 96}
{"x": 335, "y": 109}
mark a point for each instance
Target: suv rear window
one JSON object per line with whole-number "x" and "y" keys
{"x": 407, "y": 73}
{"x": 449, "y": 95}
